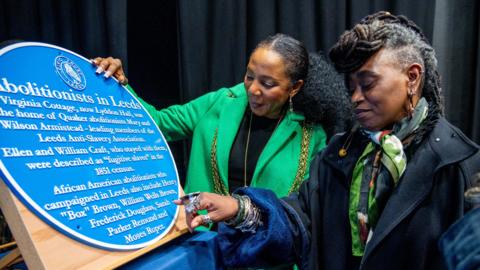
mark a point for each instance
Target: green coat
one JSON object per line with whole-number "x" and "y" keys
{"x": 220, "y": 113}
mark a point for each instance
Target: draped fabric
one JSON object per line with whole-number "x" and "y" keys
{"x": 456, "y": 37}
{"x": 217, "y": 36}
{"x": 88, "y": 27}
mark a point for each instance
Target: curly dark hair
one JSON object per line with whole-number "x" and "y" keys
{"x": 322, "y": 98}
{"x": 408, "y": 44}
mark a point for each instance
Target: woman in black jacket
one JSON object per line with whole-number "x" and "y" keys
{"x": 378, "y": 196}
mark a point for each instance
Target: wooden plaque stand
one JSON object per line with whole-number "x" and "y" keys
{"x": 42, "y": 247}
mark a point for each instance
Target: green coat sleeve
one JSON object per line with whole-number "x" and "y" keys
{"x": 179, "y": 121}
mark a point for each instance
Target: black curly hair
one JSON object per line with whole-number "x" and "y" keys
{"x": 408, "y": 44}
{"x": 323, "y": 97}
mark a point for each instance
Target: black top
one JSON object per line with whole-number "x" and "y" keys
{"x": 260, "y": 132}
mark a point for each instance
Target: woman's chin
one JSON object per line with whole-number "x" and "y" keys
{"x": 257, "y": 110}
{"x": 369, "y": 126}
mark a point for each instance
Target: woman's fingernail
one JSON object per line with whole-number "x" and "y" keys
{"x": 107, "y": 74}
{"x": 99, "y": 70}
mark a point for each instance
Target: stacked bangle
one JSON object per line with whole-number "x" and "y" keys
{"x": 248, "y": 217}
{"x": 240, "y": 214}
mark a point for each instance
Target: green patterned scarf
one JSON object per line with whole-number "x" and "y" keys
{"x": 377, "y": 173}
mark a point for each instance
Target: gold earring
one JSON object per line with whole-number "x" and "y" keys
{"x": 290, "y": 104}
{"x": 411, "y": 92}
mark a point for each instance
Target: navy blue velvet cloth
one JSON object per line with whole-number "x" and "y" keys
{"x": 190, "y": 251}
{"x": 461, "y": 243}
{"x": 272, "y": 244}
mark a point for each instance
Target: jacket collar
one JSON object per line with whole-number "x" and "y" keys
{"x": 445, "y": 145}
{"x": 230, "y": 119}
{"x": 354, "y": 149}
{"x": 280, "y": 136}
{"x": 231, "y": 116}
{"x": 450, "y": 144}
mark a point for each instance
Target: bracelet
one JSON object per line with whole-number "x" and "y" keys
{"x": 234, "y": 221}
{"x": 248, "y": 218}
{"x": 472, "y": 195}
{"x": 253, "y": 218}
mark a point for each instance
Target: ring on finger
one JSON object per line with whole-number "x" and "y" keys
{"x": 192, "y": 202}
{"x": 193, "y": 206}
{"x": 187, "y": 198}
{"x": 190, "y": 208}
{"x": 206, "y": 219}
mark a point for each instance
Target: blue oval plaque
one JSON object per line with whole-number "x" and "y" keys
{"x": 81, "y": 152}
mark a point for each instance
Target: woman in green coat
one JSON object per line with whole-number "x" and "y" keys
{"x": 262, "y": 132}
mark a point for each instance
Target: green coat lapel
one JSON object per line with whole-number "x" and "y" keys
{"x": 230, "y": 119}
{"x": 279, "y": 137}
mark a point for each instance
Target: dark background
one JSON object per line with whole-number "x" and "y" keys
{"x": 176, "y": 50}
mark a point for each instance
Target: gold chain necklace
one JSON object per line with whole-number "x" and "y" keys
{"x": 246, "y": 151}
{"x": 220, "y": 188}
{"x": 245, "y": 159}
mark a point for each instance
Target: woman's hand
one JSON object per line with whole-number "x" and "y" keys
{"x": 111, "y": 66}
{"x": 219, "y": 208}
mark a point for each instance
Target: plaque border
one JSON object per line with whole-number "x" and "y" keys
{"x": 42, "y": 214}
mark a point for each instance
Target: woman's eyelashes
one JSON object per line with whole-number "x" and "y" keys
{"x": 364, "y": 85}
{"x": 267, "y": 84}
{"x": 367, "y": 85}
{"x": 264, "y": 82}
